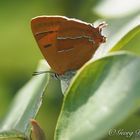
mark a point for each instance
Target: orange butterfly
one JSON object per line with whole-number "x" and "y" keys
{"x": 67, "y": 44}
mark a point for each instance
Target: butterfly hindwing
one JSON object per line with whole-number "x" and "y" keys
{"x": 65, "y": 43}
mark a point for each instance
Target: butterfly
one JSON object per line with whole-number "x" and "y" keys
{"x": 66, "y": 43}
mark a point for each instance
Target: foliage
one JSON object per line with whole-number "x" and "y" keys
{"x": 104, "y": 94}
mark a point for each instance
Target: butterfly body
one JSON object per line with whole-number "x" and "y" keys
{"x": 67, "y": 44}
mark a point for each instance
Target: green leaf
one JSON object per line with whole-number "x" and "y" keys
{"x": 118, "y": 9}
{"x": 130, "y": 42}
{"x": 115, "y": 31}
{"x": 101, "y": 96}
{"x": 12, "y": 135}
{"x": 24, "y": 107}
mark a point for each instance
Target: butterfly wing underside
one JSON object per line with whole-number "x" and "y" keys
{"x": 65, "y": 43}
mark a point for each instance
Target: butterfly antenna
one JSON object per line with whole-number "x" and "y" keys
{"x": 52, "y": 74}
{"x": 40, "y": 72}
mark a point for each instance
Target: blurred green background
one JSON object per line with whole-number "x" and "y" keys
{"x": 19, "y": 54}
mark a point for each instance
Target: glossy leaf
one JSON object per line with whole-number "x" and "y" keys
{"x": 101, "y": 96}
{"x": 24, "y": 107}
{"x": 130, "y": 42}
{"x": 116, "y": 30}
